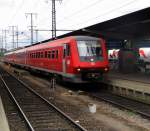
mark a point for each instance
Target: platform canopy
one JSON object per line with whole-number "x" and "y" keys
{"x": 130, "y": 26}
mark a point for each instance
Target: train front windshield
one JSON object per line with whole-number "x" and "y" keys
{"x": 90, "y": 50}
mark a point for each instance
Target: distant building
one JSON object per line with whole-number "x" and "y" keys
{"x": 2, "y": 51}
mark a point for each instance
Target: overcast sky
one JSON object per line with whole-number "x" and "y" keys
{"x": 71, "y": 14}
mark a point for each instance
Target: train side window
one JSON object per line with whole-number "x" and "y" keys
{"x": 64, "y": 54}
{"x": 36, "y": 55}
{"x": 64, "y": 51}
{"x": 56, "y": 54}
{"x": 45, "y": 54}
{"x": 67, "y": 50}
{"x": 53, "y": 54}
{"x": 41, "y": 54}
{"x": 48, "y": 55}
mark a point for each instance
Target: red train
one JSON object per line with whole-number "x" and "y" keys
{"x": 75, "y": 58}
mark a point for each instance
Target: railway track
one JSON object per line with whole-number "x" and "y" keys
{"x": 15, "y": 120}
{"x": 38, "y": 113}
{"x": 124, "y": 103}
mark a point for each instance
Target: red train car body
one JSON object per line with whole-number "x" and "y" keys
{"x": 75, "y": 58}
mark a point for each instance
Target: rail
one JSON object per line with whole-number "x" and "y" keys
{"x": 9, "y": 78}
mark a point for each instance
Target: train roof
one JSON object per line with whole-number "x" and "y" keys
{"x": 76, "y": 37}
{"x": 50, "y": 40}
{"x": 85, "y": 37}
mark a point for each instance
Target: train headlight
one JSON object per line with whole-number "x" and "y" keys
{"x": 78, "y": 69}
{"x": 105, "y": 69}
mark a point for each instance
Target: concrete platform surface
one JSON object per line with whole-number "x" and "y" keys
{"x": 137, "y": 77}
{"x": 3, "y": 120}
{"x": 137, "y": 82}
{"x": 135, "y": 86}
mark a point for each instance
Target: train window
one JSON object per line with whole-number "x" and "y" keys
{"x": 90, "y": 50}
{"x": 56, "y": 54}
{"x": 45, "y": 54}
{"x": 64, "y": 53}
{"x": 53, "y": 54}
{"x": 36, "y": 54}
{"x": 41, "y": 54}
{"x": 68, "y": 50}
{"x": 49, "y": 54}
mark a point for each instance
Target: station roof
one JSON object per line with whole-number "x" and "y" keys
{"x": 131, "y": 26}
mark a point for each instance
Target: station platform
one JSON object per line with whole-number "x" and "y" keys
{"x": 3, "y": 120}
{"x": 133, "y": 85}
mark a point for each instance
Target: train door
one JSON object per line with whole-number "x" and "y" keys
{"x": 66, "y": 58}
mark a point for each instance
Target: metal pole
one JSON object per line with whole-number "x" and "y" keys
{"x": 36, "y": 35}
{"x": 2, "y": 40}
{"x": 13, "y": 39}
{"x": 31, "y": 29}
{"x": 53, "y": 20}
{"x": 17, "y": 37}
{"x": 5, "y": 31}
{"x": 31, "y": 17}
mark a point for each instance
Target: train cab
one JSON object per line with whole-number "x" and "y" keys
{"x": 86, "y": 58}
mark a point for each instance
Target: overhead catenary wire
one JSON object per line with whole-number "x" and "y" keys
{"x": 79, "y": 11}
{"x": 106, "y": 13}
{"x": 76, "y": 12}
